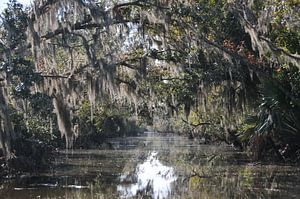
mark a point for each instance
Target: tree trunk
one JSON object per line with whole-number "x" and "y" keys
{"x": 6, "y": 128}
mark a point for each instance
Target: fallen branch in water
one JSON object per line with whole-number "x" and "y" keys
{"x": 196, "y": 174}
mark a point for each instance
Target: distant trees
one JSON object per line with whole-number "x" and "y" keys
{"x": 188, "y": 62}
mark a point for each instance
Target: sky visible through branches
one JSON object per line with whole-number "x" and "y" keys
{"x": 3, "y": 3}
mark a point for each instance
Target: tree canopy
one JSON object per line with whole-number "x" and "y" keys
{"x": 206, "y": 64}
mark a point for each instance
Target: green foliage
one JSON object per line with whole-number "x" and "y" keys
{"x": 41, "y": 105}
{"x": 31, "y": 155}
{"x": 282, "y": 33}
{"x": 258, "y": 5}
{"x": 15, "y": 59}
{"x": 277, "y": 123}
{"x": 100, "y": 114}
{"x": 19, "y": 123}
{"x": 286, "y": 38}
{"x": 14, "y": 22}
{"x": 35, "y": 127}
{"x": 40, "y": 130}
{"x": 194, "y": 61}
{"x": 107, "y": 120}
{"x": 84, "y": 111}
{"x": 34, "y": 142}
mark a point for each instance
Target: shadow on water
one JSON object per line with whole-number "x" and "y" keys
{"x": 156, "y": 166}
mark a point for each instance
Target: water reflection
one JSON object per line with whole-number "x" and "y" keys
{"x": 150, "y": 178}
{"x": 156, "y": 166}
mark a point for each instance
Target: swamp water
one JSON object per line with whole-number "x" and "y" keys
{"x": 156, "y": 166}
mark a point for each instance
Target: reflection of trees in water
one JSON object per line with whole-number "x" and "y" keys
{"x": 206, "y": 171}
{"x": 203, "y": 171}
{"x": 240, "y": 181}
{"x": 101, "y": 188}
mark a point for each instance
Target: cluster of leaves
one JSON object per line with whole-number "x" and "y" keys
{"x": 35, "y": 140}
{"x": 107, "y": 120}
{"x": 15, "y": 59}
{"x": 282, "y": 33}
{"x": 275, "y": 128}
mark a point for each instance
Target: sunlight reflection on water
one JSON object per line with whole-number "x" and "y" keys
{"x": 152, "y": 177}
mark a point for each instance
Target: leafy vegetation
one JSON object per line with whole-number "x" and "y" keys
{"x": 89, "y": 70}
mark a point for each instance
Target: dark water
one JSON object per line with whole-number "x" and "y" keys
{"x": 156, "y": 166}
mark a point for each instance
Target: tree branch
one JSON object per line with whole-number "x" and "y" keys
{"x": 86, "y": 24}
{"x": 123, "y": 63}
{"x": 54, "y": 76}
{"x": 131, "y": 84}
{"x": 276, "y": 49}
{"x": 196, "y": 125}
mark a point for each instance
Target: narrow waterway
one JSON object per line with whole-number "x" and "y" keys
{"x": 156, "y": 166}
